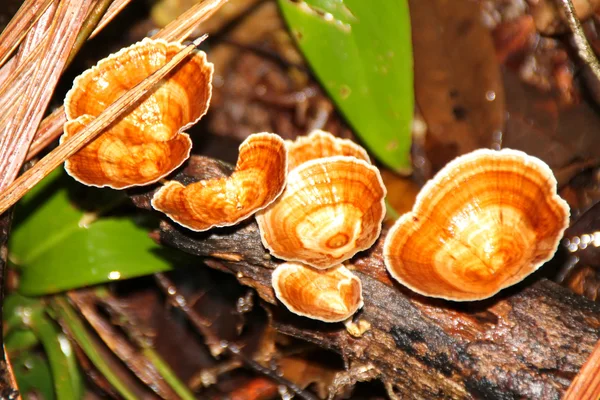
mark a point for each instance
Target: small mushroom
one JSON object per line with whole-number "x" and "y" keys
{"x": 331, "y": 295}
{"x": 258, "y": 179}
{"x": 331, "y": 209}
{"x": 321, "y": 144}
{"x": 146, "y": 144}
{"x": 483, "y": 223}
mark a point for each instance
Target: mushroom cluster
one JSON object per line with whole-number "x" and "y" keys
{"x": 332, "y": 208}
{"x": 483, "y": 223}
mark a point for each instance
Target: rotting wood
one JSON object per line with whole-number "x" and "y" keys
{"x": 529, "y": 342}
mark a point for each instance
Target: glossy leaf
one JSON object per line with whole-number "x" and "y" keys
{"x": 59, "y": 247}
{"x": 361, "y": 52}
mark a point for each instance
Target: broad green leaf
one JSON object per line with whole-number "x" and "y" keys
{"x": 361, "y": 52}
{"x": 57, "y": 248}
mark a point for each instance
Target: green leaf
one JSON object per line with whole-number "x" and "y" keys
{"x": 20, "y": 340}
{"x": 361, "y": 52}
{"x": 56, "y": 249}
{"x": 33, "y": 375}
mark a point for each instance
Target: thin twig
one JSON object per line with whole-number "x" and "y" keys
{"x": 232, "y": 349}
{"x": 57, "y": 156}
{"x": 592, "y": 72}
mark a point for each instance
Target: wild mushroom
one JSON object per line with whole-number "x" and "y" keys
{"x": 483, "y": 223}
{"x": 331, "y": 209}
{"x": 321, "y": 144}
{"x": 148, "y": 143}
{"x": 330, "y": 295}
{"x": 258, "y": 179}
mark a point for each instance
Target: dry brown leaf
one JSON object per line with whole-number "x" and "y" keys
{"x": 458, "y": 85}
{"x": 538, "y": 125}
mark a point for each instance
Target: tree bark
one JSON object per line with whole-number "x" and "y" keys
{"x": 528, "y": 342}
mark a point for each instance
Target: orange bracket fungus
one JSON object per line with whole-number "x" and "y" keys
{"x": 147, "y": 144}
{"x": 331, "y": 295}
{"x": 321, "y": 144}
{"x": 331, "y": 209}
{"x": 483, "y": 223}
{"x": 258, "y": 179}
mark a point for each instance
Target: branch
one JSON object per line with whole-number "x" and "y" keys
{"x": 527, "y": 343}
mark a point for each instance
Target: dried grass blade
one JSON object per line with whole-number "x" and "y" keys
{"x": 185, "y": 24}
{"x": 46, "y": 134}
{"x": 57, "y": 156}
{"x": 177, "y": 30}
{"x": 19, "y": 25}
{"x": 38, "y": 33}
{"x": 17, "y": 83}
{"x": 586, "y": 385}
{"x": 31, "y": 51}
{"x": 115, "y": 8}
{"x": 10, "y": 70}
{"x": 20, "y": 130}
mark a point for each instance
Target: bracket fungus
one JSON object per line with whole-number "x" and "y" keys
{"x": 258, "y": 179}
{"x": 331, "y": 295}
{"x": 321, "y": 144}
{"x": 147, "y": 143}
{"x": 331, "y": 209}
{"x": 485, "y": 222}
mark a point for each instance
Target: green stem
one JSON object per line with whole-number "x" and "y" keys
{"x": 66, "y": 313}
{"x": 167, "y": 373}
{"x": 67, "y": 382}
{"x": 88, "y": 27}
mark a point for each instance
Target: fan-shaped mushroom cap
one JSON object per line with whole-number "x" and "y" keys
{"x": 258, "y": 179}
{"x": 331, "y": 209}
{"x": 176, "y": 103}
{"x": 483, "y": 223}
{"x": 330, "y": 295}
{"x": 321, "y": 144}
{"x": 117, "y": 156}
